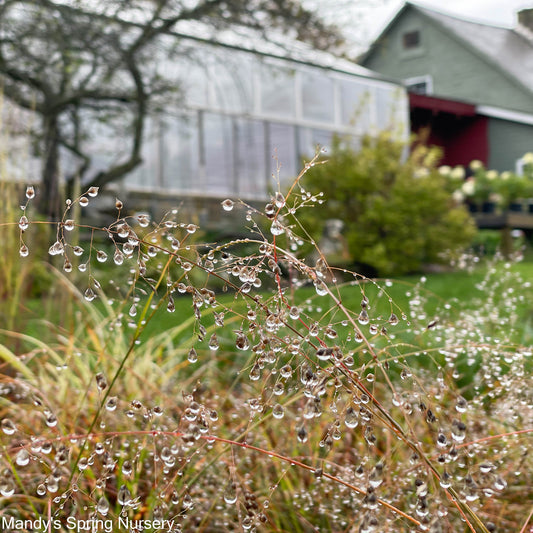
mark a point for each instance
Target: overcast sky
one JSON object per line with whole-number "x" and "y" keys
{"x": 498, "y": 12}
{"x": 362, "y": 20}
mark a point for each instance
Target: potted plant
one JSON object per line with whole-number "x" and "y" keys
{"x": 527, "y": 169}
{"x": 512, "y": 189}
{"x": 479, "y": 188}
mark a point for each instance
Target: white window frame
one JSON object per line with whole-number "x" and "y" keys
{"x": 415, "y": 80}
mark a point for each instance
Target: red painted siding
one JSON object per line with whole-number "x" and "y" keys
{"x": 453, "y": 126}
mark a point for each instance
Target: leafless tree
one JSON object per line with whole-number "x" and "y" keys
{"x": 76, "y": 61}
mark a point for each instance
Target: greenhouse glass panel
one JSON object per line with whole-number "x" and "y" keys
{"x": 147, "y": 175}
{"x": 191, "y": 75}
{"x": 278, "y": 96}
{"x": 385, "y": 102}
{"x": 310, "y": 139}
{"x": 356, "y": 104}
{"x": 251, "y": 158}
{"x": 231, "y": 82}
{"x": 282, "y": 149}
{"x": 218, "y": 154}
{"x": 317, "y": 96}
{"x": 180, "y": 153}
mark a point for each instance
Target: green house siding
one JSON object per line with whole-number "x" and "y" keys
{"x": 508, "y": 142}
{"x": 457, "y": 71}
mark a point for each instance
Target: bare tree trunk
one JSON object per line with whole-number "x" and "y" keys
{"x": 49, "y": 200}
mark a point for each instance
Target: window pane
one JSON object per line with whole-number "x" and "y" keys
{"x": 282, "y": 148}
{"x": 180, "y": 157}
{"x": 356, "y": 104}
{"x": 317, "y": 96}
{"x": 411, "y": 39}
{"x": 251, "y": 158}
{"x": 277, "y": 90}
{"x": 218, "y": 147}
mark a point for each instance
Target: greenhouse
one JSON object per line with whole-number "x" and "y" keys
{"x": 251, "y": 114}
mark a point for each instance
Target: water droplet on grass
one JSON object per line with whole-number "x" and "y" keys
{"x": 242, "y": 342}
{"x": 124, "y": 496}
{"x": 301, "y": 434}
{"x": 213, "y": 342}
{"x": 23, "y": 457}
{"x": 8, "y": 427}
{"x": 499, "y": 483}
{"x": 461, "y": 405}
{"x": 230, "y": 494}
{"x": 50, "y": 419}
{"x": 276, "y": 228}
{"x": 187, "y": 501}
{"x": 227, "y": 205}
{"x": 23, "y": 223}
{"x": 56, "y": 248}
{"x": 255, "y": 373}
{"x": 192, "y": 356}
{"x": 278, "y": 411}
{"x": 170, "y": 306}
{"x": 393, "y": 319}
{"x": 363, "y": 317}
{"x": 111, "y": 403}
{"x": 320, "y": 287}
{"x": 279, "y": 200}
{"x": 118, "y": 257}
{"x": 294, "y": 312}
{"x": 143, "y": 220}
{"x": 102, "y": 506}
{"x": 127, "y": 468}
{"x": 101, "y": 381}
{"x": 351, "y": 419}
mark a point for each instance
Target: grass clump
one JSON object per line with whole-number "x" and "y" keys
{"x": 287, "y": 401}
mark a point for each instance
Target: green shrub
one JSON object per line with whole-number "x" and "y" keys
{"x": 397, "y": 212}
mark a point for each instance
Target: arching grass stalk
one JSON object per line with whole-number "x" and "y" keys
{"x": 136, "y": 335}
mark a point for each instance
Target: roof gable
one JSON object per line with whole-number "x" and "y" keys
{"x": 508, "y": 50}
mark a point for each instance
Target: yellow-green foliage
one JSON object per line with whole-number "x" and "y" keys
{"x": 397, "y": 212}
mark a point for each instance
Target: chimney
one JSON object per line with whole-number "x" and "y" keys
{"x": 525, "y": 18}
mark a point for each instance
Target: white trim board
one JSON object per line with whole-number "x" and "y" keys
{"x": 505, "y": 114}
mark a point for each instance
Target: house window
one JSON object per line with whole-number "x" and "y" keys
{"x": 420, "y": 84}
{"x": 411, "y": 40}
